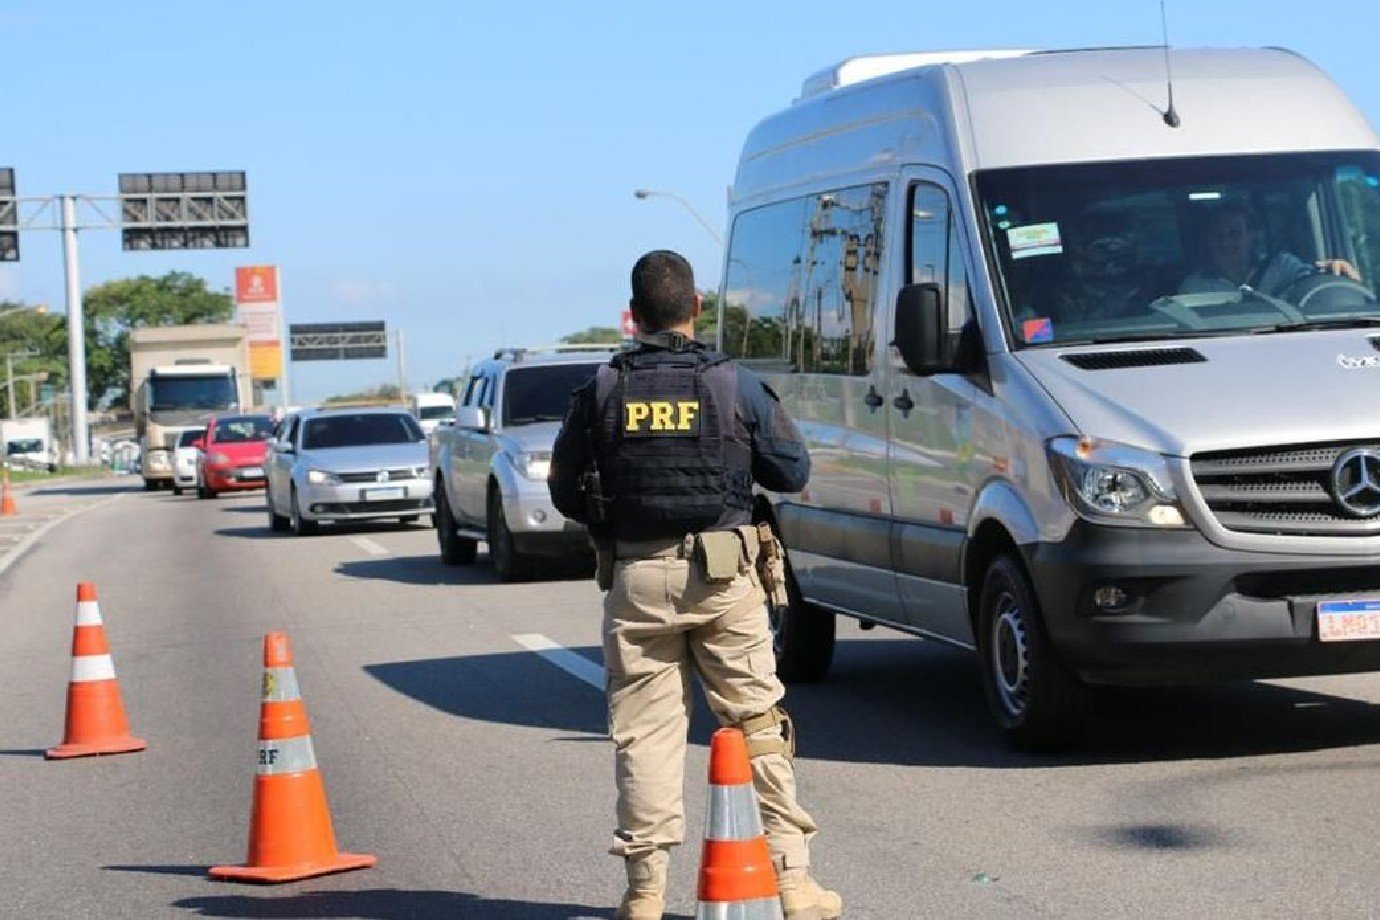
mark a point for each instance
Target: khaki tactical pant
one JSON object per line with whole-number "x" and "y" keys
{"x": 663, "y": 623}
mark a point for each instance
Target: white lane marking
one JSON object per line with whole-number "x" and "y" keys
{"x": 563, "y": 658}
{"x": 369, "y": 546}
{"x": 9, "y": 558}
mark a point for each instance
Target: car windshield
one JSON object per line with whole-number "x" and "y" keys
{"x": 1181, "y": 248}
{"x": 432, "y": 413}
{"x": 243, "y": 428}
{"x": 186, "y": 438}
{"x": 360, "y": 429}
{"x": 540, "y": 393}
{"x": 24, "y": 446}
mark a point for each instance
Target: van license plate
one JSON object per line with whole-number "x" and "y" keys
{"x": 394, "y": 493}
{"x": 1348, "y": 621}
{"x": 252, "y": 472}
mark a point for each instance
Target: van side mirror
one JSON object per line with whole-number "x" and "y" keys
{"x": 922, "y": 329}
{"x": 475, "y": 418}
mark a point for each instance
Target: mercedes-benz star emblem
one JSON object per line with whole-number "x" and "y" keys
{"x": 1356, "y": 482}
{"x": 383, "y": 477}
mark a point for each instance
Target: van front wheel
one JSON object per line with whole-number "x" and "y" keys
{"x": 1038, "y": 702}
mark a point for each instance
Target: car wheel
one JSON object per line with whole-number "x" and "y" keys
{"x": 455, "y": 549}
{"x": 150, "y": 485}
{"x": 301, "y": 527}
{"x": 802, "y": 636}
{"x": 1037, "y": 701}
{"x": 407, "y": 519}
{"x": 177, "y": 490}
{"x": 276, "y": 522}
{"x": 508, "y": 562}
{"x": 204, "y": 492}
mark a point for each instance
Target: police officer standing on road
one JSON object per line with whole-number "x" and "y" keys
{"x": 657, "y": 456}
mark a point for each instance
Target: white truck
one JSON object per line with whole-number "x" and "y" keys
{"x": 179, "y": 377}
{"x": 27, "y": 443}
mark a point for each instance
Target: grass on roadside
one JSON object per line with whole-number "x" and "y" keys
{"x": 18, "y": 476}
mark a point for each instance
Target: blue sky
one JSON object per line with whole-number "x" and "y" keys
{"x": 465, "y": 171}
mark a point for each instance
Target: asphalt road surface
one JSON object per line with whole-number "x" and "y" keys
{"x": 479, "y": 772}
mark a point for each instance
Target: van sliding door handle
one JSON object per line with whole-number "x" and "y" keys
{"x": 904, "y": 403}
{"x": 873, "y": 398}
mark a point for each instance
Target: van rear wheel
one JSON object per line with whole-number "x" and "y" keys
{"x": 802, "y": 636}
{"x": 1037, "y": 701}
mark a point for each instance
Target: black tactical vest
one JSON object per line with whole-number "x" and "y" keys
{"x": 672, "y": 456}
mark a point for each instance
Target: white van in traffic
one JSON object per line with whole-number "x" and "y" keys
{"x": 431, "y": 409}
{"x": 1089, "y": 381}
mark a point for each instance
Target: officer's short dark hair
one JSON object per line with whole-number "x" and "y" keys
{"x": 663, "y": 290}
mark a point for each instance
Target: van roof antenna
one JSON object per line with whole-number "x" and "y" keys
{"x": 1170, "y": 115}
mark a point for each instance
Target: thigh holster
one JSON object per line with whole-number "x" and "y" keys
{"x": 776, "y": 717}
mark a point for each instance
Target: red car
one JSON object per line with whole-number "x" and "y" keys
{"x": 232, "y": 454}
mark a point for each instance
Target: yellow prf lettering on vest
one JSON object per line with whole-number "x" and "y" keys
{"x": 637, "y": 414}
{"x": 661, "y": 416}
{"x": 688, "y": 410}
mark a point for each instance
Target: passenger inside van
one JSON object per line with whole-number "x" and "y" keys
{"x": 1233, "y": 259}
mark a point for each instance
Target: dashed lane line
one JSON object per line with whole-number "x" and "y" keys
{"x": 574, "y": 664}
{"x": 369, "y": 546}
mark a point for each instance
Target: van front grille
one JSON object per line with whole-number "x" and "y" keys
{"x": 1279, "y": 490}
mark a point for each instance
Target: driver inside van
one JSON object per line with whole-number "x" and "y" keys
{"x": 1232, "y": 260}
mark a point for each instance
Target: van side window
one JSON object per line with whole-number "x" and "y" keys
{"x": 474, "y": 390}
{"x": 936, "y": 251}
{"x": 802, "y": 282}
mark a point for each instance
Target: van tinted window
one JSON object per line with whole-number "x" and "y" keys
{"x": 801, "y": 288}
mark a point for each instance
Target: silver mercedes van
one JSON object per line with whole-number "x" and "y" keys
{"x": 1090, "y": 379}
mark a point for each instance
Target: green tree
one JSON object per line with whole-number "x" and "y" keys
{"x": 114, "y": 308}
{"x": 594, "y": 335}
{"x": 30, "y": 330}
{"x": 382, "y": 393}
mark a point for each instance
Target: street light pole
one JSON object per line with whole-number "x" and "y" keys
{"x": 76, "y": 331}
{"x": 642, "y": 194}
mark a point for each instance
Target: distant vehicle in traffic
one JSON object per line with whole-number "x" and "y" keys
{"x": 489, "y": 469}
{"x": 28, "y": 444}
{"x": 432, "y": 409}
{"x": 185, "y": 456}
{"x": 233, "y": 452}
{"x": 346, "y": 465}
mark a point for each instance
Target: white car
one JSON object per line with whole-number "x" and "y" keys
{"x": 184, "y": 459}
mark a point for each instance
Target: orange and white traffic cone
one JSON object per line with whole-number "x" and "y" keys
{"x": 96, "y": 722}
{"x": 7, "y": 507}
{"x": 290, "y": 834}
{"x": 737, "y": 879}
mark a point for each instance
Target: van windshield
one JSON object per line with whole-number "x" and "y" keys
{"x": 1168, "y": 249}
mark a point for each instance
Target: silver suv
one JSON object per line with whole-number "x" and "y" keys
{"x": 489, "y": 468}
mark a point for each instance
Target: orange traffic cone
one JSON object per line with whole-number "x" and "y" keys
{"x": 96, "y": 722}
{"x": 290, "y": 835}
{"x": 736, "y": 875}
{"x": 7, "y": 507}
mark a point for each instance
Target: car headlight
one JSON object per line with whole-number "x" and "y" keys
{"x": 322, "y": 478}
{"x": 217, "y": 460}
{"x": 534, "y": 464}
{"x": 1113, "y": 483}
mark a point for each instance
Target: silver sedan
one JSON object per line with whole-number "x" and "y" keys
{"x": 346, "y": 465}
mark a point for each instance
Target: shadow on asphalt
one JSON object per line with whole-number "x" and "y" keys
{"x": 261, "y": 531}
{"x": 22, "y": 752}
{"x": 914, "y": 703}
{"x": 386, "y": 904}
{"x": 429, "y": 570}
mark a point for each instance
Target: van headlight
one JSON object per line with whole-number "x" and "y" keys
{"x": 322, "y": 478}
{"x": 1112, "y": 483}
{"x": 533, "y": 464}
